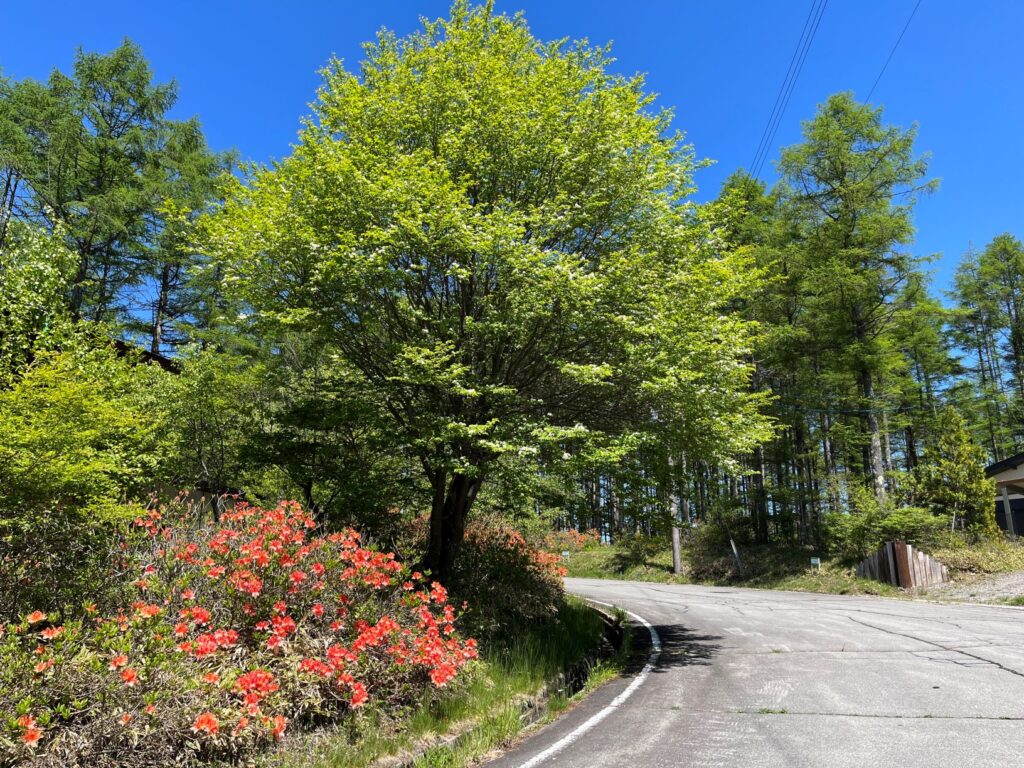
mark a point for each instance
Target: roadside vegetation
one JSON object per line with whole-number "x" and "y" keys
{"x": 487, "y": 712}
{"x": 290, "y": 453}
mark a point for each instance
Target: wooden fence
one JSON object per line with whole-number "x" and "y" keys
{"x": 900, "y": 564}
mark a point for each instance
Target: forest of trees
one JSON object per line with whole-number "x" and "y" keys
{"x": 512, "y": 306}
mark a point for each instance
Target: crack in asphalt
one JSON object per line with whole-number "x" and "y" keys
{"x": 893, "y": 632}
{"x": 784, "y": 713}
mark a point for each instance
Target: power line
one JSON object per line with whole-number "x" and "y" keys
{"x": 893, "y": 51}
{"x": 796, "y": 64}
{"x": 792, "y": 85}
{"x": 778, "y": 96}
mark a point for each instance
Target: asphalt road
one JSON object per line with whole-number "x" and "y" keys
{"x": 751, "y": 679}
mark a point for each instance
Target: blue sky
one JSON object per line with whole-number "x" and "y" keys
{"x": 249, "y": 70}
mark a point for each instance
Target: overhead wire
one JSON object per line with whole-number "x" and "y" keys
{"x": 785, "y": 93}
{"x": 893, "y": 51}
{"x": 778, "y": 97}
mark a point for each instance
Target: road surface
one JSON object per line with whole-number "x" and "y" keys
{"x": 752, "y": 679}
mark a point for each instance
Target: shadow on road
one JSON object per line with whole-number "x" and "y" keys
{"x": 680, "y": 647}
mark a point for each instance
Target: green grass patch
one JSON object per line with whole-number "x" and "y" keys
{"x": 486, "y": 706}
{"x": 632, "y": 563}
{"x": 766, "y": 567}
{"x": 982, "y": 558}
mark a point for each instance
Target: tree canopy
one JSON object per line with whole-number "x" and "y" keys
{"x": 494, "y": 232}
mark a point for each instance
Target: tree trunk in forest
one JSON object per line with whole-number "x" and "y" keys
{"x": 876, "y": 466}
{"x": 160, "y": 311}
{"x": 449, "y": 510}
{"x": 886, "y": 445}
{"x": 828, "y": 450}
{"x": 760, "y": 499}
{"x": 803, "y": 476}
{"x": 911, "y": 441}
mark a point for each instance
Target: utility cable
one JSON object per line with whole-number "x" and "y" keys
{"x": 788, "y": 85}
{"x": 893, "y": 51}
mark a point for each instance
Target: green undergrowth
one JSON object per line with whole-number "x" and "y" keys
{"x": 765, "y": 567}
{"x": 982, "y": 558}
{"x": 774, "y": 566}
{"x": 486, "y": 706}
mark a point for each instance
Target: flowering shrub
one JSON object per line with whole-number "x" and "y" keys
{"x": 571, "y": 540}
{"x": 504, "y": 579}
{"x": 239, "y": 632}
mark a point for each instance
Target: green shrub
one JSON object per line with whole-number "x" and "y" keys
{"x": 951, "y": 482}
{"x": 855, "y": 534}
{"x": 983, "y": 557}
{"x": 80, "y": 440}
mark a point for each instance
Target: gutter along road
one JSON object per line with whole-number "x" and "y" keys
{"x": 751, "y": 678}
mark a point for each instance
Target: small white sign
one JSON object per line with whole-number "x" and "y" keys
{"x": 816, "y": 562}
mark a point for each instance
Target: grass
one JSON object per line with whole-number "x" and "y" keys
{"x": 486, "y": 708}
{"x": 983, "y": 558}
{"x": 774, "y": 567}
{"x": 767, "y": 567}
{"x": 603, "y": 562}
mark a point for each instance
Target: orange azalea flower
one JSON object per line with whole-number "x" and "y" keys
{"x": 206, "y": 723}
{"x": 150, "y": 709}
{"x": 126, "y": 718}
{"x": 359, "y": 695}
{"x": 42, "y": 666}
{"x": 118, "y": 661}
{"x": 280, "y": 723}
{"x": 31, "y": 736}
{"x": 130, "y": 676}
{"x": 211, "y": 678}
{"x": 200, "y": 615}
{"x": 35, "y": 617}
{"x": 51, "y": 632}
{"x": 27, "y": 721}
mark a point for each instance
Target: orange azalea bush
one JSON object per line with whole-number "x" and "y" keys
{"x": 240, "y": 632}
{"x": 571, "y": 540}
{"x": 504, "y": 578}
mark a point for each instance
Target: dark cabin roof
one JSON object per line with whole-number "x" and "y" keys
{"x": 1011, "y": 462}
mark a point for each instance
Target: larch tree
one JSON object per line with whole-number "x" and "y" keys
{"x": 849, "y": 189}
{"x": 93, "y": 155}
{"x": 494, "y": 233}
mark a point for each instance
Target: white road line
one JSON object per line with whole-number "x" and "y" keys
{"x": 571, "y": 737}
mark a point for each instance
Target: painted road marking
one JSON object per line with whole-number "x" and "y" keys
{"x": 617, "y": 702}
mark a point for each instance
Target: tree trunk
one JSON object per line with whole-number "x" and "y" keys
{"x": 876, "y": 465}
{"x": 760, "y": 498}
{"x": 160, "y": 311}
{"x": 448, "y": 514}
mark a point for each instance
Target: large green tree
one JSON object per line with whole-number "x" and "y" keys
{"x": 94, "y": 156}
{"x": 493, "y": 231}
{"x": 849, "y": 190}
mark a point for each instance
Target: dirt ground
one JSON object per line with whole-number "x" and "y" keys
{"x": 985, "y": 589}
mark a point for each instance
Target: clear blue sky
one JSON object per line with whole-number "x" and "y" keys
{"x": 249, "y": 70}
